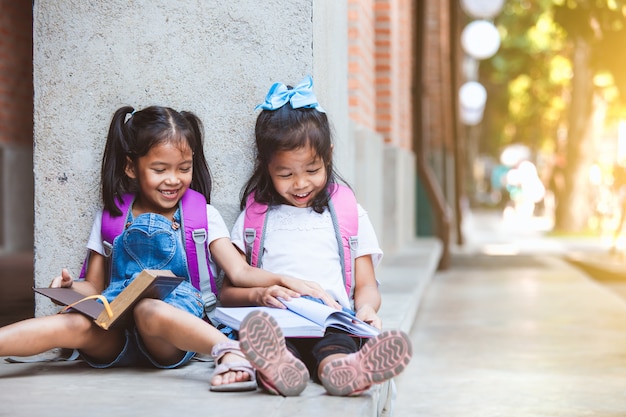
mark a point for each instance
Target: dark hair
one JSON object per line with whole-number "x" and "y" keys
{"x": 286, "y": 129}
{"x": 132, "y": 135}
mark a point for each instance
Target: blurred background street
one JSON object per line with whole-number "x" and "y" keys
{"x": 513, "y": 328}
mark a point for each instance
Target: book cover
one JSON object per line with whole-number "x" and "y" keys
{"x": 302, "y": 318}
{"x": 147, "y": 284}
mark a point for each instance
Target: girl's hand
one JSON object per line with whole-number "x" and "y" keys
{"x": 369, "y": 316}
{"x": 268, "y": 296}
{"x": 63, "y": 281}
{"x": 311, "y": 288}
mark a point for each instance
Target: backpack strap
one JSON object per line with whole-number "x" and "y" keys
{"x": 110, "y": 227}
{"x": 254, "y": 223}
{"x": 343, "y": 211}
{"x": 113, "y": 226}
{"x": 344, "y": 214}
{"x": 196, "y": 225}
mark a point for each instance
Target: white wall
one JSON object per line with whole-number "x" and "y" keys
{"x": 369, "y": 149}
{"x": 330, "y": 60}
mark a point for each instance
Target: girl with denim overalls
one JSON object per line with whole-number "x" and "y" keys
{"x": 293, "y": 176}
{"x": 157, "y": 155}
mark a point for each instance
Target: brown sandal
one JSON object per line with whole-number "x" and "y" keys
{"x": 218, "y": 352}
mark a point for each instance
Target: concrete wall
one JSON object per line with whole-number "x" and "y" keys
{"x": 211, "y": 57}
{"x": 330, "y": 63}
{"x": 398, "y": 197}
{"x": 385, "y": 187}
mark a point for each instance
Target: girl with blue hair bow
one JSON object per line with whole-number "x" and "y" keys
{"x": 295, "y": 180}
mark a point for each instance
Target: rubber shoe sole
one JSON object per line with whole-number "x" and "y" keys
{"x": 262, "y": 342}
{"x": 380, "y": 359}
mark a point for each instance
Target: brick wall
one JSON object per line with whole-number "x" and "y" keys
{"x": 437, "y": 117}
{"x": 16, "y": 72}
{"x": 361, "y": 63}
{"x": 381, "y": 62}
{"x": 394, "y": 70}
{"x": 380, "y": 67}
{"x": 403, "y": 73}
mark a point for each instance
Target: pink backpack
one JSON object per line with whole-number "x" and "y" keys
{"x": 343, "y": 211}
{"x": 195, "y": 226}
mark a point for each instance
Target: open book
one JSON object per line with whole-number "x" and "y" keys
{"x": 149, "y": 283}
{"x": 302, "y": 318}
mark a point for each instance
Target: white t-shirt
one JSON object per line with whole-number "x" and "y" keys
{"x": 301, "y": 243}
{"x": 217, "y": 230}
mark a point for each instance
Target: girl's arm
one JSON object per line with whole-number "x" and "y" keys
{"x": 231, "y": 296}
{"x": 234, "y": 265}
{"x": 366, "y": 294}
{"x": 94, "y": 279}
{"x": 244, "y": 276}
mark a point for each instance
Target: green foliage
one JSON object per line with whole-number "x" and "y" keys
{"x": 602, "y": 24}
{"x": 528, "y": 80}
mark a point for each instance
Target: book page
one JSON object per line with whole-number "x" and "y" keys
{"x": 351, "y": 324}
{"x": 312, "y": 310}
{"x": 292, "y": 325}
{"x": 327, "y": 316}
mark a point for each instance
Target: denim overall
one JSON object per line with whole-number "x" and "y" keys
{"x": 150, "y": 241}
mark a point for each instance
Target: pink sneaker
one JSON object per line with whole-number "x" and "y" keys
{"x": 262, "y": 341}
{"x": 380, "y": 359}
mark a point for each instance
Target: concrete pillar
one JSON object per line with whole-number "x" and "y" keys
{"x": 398, "y": 197}
{"x": 368, "y": 186}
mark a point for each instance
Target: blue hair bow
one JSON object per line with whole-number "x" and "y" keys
{"x": 301, "y": 96}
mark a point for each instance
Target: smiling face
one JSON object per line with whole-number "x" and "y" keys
{"x": 164, "y": 174}
{"x": 298, "y": 175}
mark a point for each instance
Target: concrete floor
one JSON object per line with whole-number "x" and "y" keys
{"x": 544, "y": 340}
{"x": 524, "y": 335}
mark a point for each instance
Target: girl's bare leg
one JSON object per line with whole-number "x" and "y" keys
{"x": 70, "y": 331}
{"x": 168, "y": 332}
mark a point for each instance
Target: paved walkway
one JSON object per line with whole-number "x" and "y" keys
{"x": 520, "y": 334}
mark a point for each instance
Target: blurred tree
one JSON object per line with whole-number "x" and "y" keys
{"x": 525, "y": 79}
{"x": 541, "y": 88}
{"x": 594, "y": 29}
